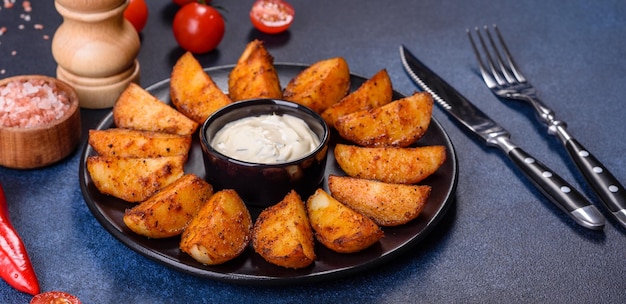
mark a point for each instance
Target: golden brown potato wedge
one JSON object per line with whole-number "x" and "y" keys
{"x": 193, "y": 91}
{"x": 282, "y": 234}
{"x": 220, "y": 231}
{"x": 169, "y": 211}
{"x": 373, "y": 93}
{"x": 137, "y": 109}
{"x": 385, "y": 203}
{"x": 390, "y": 164}
{"x": 138, "y": 144}
{"x": 254, "y": 75}
{"x": 399, "y": 123}
{"x": 134, "y": 179}
{"x": 338, "y": 227}
{"x": 321, "y": 85}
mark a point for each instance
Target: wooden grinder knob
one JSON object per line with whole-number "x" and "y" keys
{"x": 96, "y": 48}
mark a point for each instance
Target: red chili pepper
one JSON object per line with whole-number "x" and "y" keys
{"x": 15, "y": 266}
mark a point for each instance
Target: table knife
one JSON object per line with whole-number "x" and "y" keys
{"x": 554, "y": 187}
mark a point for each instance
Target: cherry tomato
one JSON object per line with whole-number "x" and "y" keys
{"x": 198, "y": 28}
{"x": 183, "y": 2}
{"x": 271, "y": 16}
{"x": 137, "y": 13}
{"x": 54, "y": 297}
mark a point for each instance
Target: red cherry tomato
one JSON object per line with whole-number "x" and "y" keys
{"x": 54, "y": 297}
{"x": 183, "y": 2}
{"x": 271, "y": 16}
{"x": 198, "y": 28}
{"x": 137, "y": 13}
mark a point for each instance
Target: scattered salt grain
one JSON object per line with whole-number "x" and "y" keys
{"x": 8, "y": 3}
{"x": 29, "y": 104}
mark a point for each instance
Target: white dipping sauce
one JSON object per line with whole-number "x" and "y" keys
{"x": 266, "y": 139}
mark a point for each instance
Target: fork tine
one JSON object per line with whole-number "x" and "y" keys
{"x": 510, "y": 78}
{"x": 495, "y": 72}
{"x": 511, "y": 63}
{"x": 489, "y": 80}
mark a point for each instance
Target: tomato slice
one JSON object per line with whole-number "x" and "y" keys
{"x": 55, "y": 297}
{"x": 272, "y": 16}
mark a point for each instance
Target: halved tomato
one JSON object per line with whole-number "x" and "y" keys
{"x": 272, "y": 16}
{"x": 55, "y": 297}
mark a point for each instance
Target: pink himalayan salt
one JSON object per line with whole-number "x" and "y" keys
{"x": 30, "y": 104}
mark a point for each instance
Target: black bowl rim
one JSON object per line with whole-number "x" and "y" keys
{"x": 207, "y": 147}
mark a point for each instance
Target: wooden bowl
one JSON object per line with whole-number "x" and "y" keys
{"x": 35, "y": 147}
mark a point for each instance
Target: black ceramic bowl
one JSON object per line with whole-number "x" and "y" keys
{"x": 264, "y": 184}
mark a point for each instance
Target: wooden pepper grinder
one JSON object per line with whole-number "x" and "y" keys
{"x": 96, "y": 50}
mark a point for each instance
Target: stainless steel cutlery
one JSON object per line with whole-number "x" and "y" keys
{"x": 502, "y": 75}
{"x": 551, "y": 185}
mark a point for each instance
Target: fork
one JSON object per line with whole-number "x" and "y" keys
{"x": 503, "y": 77}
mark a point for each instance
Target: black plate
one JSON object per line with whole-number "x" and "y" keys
{"x": 250, "y": 268}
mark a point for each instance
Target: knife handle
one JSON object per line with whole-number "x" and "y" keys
{"x": 558, "y": 190}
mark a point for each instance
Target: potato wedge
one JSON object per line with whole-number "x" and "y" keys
{"x": 134, "y": 179}
{"x": 321, "y": 85}
{"x": 385, "y": 203}
{"x": 390, "y": 164}
{"x": 338, "y": 227}
{"x": 399, "y": 123}
{"x": 282, "y": 234}
{"x": 373, "y": 93}
{"x": 193, "y": 91}
{"x": 138, "y": 144}
{"x": 220, "y": 231}
{"x": 169, "y": 211}
{"x": 254, "y": 75}
{"x": 137, "y": 109}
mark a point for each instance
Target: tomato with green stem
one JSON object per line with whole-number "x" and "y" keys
{"x": 137, "y": 14}
{"x": 198, "y": 27}
{"x": 272, "y": 16}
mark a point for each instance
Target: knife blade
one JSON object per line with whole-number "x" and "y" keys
{"x": 554, "y": 187}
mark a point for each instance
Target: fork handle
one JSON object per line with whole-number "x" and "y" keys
{"x": 606, "y": 186}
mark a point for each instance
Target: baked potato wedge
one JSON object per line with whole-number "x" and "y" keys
{"x": 390, "y": 164}
{"x": 134, "y": 179}
{"x": 254, "y": 75}
{"x": 137, "y": 109}
{"x": 282, "y": 234}
{"x": 385, "y": 203}
{"x": 138, "y": 144}
{"x": 220, "y": 231}
{"x": 321, "y": 85}
{"x": 399, "y": 123}
{"x": 193, "y": 91}
{"x": 373, "y": 93}
{"x": 338, "y": 227}
{"x": 170, "y": 210}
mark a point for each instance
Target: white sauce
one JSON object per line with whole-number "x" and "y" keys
{"x": 266, "y": 139}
